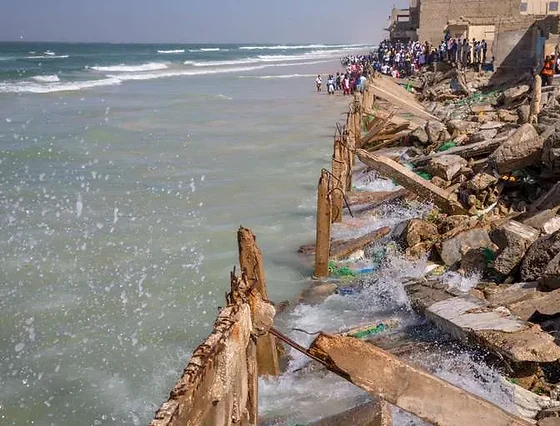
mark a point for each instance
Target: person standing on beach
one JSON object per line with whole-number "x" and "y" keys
{"x": 319, "y": 83}
{"x": 484, "y": 47}
{"x": 346, "y": 85}
{"x": 330, "y": 85}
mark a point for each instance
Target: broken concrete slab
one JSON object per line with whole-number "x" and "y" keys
{"x": 470, "y": 319}
{"x": 524, "y": 148}
{"x": 539, "y": 220}
{"x": 447, "y": 405}
{"x": 513, "y": 239}
{"x": 411, "y": 181}
{"x": 539, "y": 256}
{"x": 452, "y": 249}
{"x": 508, "y": 295}
{"x": 513, "y": 94}
{"x": 529, "y": 405}
{"x": 547, "y": 303}
{"x": 374, "y": 413}
{"x": 447, "y": 166}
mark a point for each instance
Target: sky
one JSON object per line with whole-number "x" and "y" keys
{"x": 189, "y": 21}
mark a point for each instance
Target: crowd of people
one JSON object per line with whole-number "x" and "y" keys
{"x": 402, "y": 59}
{"x": 399, "y": 59}
{"x": 350, "y": 81}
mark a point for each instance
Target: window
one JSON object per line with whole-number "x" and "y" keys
{"x": 553, "y": 6}
{"x": 523, "y": 7}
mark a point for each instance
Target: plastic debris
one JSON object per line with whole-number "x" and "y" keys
{"x": 374, "y": 329}
{"x": 447, "y": 146}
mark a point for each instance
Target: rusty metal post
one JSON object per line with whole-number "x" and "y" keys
{"x": 323, "y": 236}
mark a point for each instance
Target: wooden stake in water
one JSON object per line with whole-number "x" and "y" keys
{"x": 250, "y": 260}
{"x": 339, "y": 184}
{"x": 323, "y": 237}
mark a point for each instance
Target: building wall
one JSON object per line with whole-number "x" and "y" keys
{"x": 540, "y": 7}
{"x": 435, "y": 14}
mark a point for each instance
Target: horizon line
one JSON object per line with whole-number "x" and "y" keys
{"x": 189, "y": 43}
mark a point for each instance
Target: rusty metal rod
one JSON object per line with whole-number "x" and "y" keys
{"x": 296, "y": 346}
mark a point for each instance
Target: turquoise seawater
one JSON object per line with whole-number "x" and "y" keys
{"x": 125, "y": 171}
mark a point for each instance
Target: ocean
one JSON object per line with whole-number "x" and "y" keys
{"x": 125, "y": 171}
{"x": 59, "y": 67}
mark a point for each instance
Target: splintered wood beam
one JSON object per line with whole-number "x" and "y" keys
{"x": 414, "y": 390}
{"x": 251, "y": 262}
{"x": 411, "y": 181}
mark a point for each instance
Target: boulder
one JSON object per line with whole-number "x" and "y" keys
{"x": 523, "y": 113}
{"x": 550, "y": 278}
{"x": 414, "y": 232}
{"x": 513, "y": 239}
{"x": 513, "y": 94}
{"x": 539, "y": 256}
{"x": 447, "y": 166}
{"x": 453, "y": 249}
{"x": 484, "y": 135}
{"x": 474, "y": 262}
{"x": 552, "y": 225}
{"x": 436, "y": 131}
{"x": 481, "y": 181}
{"x": 507, "y": 116}
{"x": 524, "y": 148}
{"x": 452, "y": 222}
{"x": 459, "y": 127}
{"x": 420, "y": 135}
{"x": 551, "y": 152}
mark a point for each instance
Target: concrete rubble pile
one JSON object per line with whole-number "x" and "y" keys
{"x": 488, "y": 159}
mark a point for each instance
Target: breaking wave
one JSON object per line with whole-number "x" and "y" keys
{"x": 32, "y": 87}
{"x": 152, "y": 66}
{"x": 48, "y": 57}
{"x": 171, "y": 51}
{"x": 47, "y": 78}
{"x": 299, "y": 47}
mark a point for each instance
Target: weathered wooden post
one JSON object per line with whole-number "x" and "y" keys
{"x": 536, "y": 100}
{"x": 250, "y": 260}
{"x": 368, "y": 99}
{"x": 339, "y": 180}
{"x": 357, "y": 107}
{"x": 323, "y": 236}
{"x": 350, "y": 143}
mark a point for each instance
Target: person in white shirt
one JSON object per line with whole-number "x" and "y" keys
{"x": 319, "y": 83}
